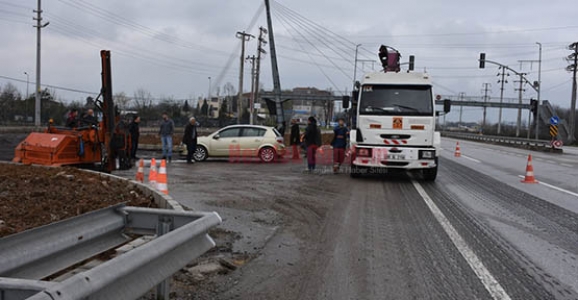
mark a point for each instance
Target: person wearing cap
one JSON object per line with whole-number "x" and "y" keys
{"x": 190, "y": 139}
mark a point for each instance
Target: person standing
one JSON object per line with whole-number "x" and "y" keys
{"x": 294, "y": 138}
{"x": 190, "y": 139}
{"x": 72, "y": 120}
{"x": 166, "y": 133}
{"x": 89, "y": 118}
{"x": 311, "y": 139}
{"x": 341, "y": 134}
{"x": 134, "y": 130}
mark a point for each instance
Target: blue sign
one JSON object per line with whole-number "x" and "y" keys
{"x": 554, "y": 120}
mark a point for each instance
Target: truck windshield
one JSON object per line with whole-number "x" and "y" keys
{"x": 407, "y": 100}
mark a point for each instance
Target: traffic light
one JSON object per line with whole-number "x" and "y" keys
{"x": 534, "y": 107}
{"x": 447, "y": 105}
{"x": 383, "y": 56}
{"x": 411, "y": 63}
{"x": 482, "y": 60}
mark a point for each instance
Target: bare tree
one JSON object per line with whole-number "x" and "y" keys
{"x": 143, "y": 99}
{"x": 121, "y": 100}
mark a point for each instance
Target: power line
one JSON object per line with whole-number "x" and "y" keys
{"x": 124, "y": 22}
{"x": 314, "y": 62}
{"x": 472, "y": 33}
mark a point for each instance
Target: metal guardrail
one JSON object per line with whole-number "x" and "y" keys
{"x": 520, "y": 142}
{"x": 36, "y": 254}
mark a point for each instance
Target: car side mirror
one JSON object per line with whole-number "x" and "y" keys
{"x": 216, "y": 137}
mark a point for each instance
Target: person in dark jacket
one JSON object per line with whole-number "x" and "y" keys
{"x": 134, "y": 130}
{"x": 190, "y": 139}
{"x": 72, "y": 120}
{"x": 294, "y": 139}
{"x": 89, "y": 119}
{"x": 311, "y": 139}
{"x": 341, "y": 134}
{"x": 166, "y": 132}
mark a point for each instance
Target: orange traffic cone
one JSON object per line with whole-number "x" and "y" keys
{"x": 529, "y": 178}
{"x": 162, "y": 178}
{"x": 153, "y": 173}
{"x": 140, "y": 171}
{"x": 458, "y": 152}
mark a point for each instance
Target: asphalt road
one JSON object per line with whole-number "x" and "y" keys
{"x": 476, "y": 233}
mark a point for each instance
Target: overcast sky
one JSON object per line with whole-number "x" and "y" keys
{"x": 171, "y": 47}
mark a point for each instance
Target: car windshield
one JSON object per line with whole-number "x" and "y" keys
{"x": 413, "y": 100}
{"x": 276, "y": 132}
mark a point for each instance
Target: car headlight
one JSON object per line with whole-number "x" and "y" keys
{"x": 427, "y": 154}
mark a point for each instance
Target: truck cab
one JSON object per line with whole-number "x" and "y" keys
{"x": 393, "y": 125}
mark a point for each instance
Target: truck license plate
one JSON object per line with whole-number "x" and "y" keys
{"x": 396, "y": 156}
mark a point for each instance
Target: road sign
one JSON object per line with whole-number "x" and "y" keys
{"x": 554, "y": 120}
{"x": 557, "y": 144}
{"x": 553, "y": 130}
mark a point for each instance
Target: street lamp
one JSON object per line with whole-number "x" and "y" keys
{"x": 209, "y": 98}
{"x": 27, "y": 95}
{"x": 539, "y": 88}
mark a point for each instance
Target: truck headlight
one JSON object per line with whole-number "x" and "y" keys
{"x": 427, "y": 154}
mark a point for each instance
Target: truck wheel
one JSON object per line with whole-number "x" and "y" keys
{"x": 431, "y": 173}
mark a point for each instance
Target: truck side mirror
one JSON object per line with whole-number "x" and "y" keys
{"x": 447, "y": 105}
{"x": 438, "y": 113}
{"x": 357, "y": 85}
{"x": 345, "y": 102}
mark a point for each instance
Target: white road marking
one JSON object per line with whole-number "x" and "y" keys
{"x": 555, "y": 187}
{"x": 472, "y": 159}
{"x": 567, "y": 165}
{"x": 490, "y": 283}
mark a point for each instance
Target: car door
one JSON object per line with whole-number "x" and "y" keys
{"x": 225, "y": 141}
{"x": 251, "y": 139}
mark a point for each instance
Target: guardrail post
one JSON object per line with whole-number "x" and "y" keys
{"x": 163, "y": 289}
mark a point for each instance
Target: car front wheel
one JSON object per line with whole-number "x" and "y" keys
{"x": 200, "y": 154}
{"x": 267, "y": 154}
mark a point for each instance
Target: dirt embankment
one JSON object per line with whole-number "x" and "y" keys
{"x": 34, "y": 196}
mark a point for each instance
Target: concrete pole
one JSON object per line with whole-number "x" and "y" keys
{"x": 355, "y": 64}
{"x": 245, "y": 37}
{"x": 39, "y": 26}
{"x": 539, "y": 90}
{"x": 571, "y": 137}
{"x": 520, "y": 94}
{"x": 486, "y": 90}
{"x": 501, "y": 99}
{"x": 27, "y": 95}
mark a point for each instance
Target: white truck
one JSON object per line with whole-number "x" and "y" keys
{"x": 393, "y": 120}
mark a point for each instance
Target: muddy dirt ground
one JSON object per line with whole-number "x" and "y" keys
{"x": 34, "y": 196}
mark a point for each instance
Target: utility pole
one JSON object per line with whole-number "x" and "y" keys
{"x": 209, "y": 92}
{"x": 486, "y": 98}
{"x": 537, "y": 119}
{"x": 520, "y": 91}
{"x": 573, "y": 58}
{"x": 252, "y": 59}
{"x": 39, "y": 26}
{"x": 26, "y": 100}
{"x": 355, "y": 64}
{"x": 462, "y": 95}
{"x": 275, "y": 69}
{"x": 245, "y": 37}
{"x": 502, "y": 81}
{"x": 260, "y": 51}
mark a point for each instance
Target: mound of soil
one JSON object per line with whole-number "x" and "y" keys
{"x": 33, "y": 196}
